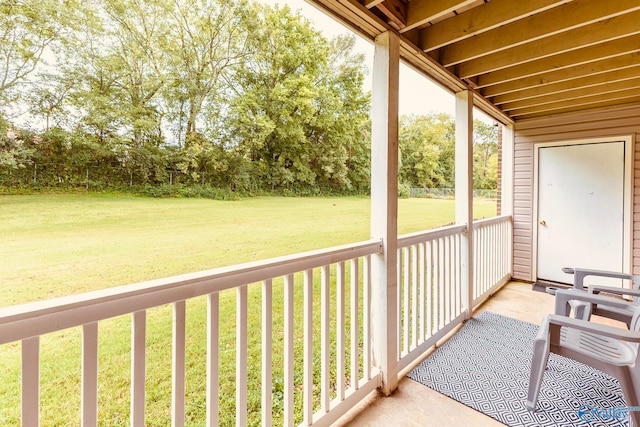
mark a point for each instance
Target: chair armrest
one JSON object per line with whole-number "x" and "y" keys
{"x": 563, "y": 296}
{"x": 594, "y": 328}
{"x": 581, "y": 273}
{"x": 596, "y": 289}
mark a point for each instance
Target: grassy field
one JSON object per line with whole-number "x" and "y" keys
{"x": 54, "y": 245}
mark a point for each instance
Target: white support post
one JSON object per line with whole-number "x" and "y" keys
{"x": 507, "y": 185}
{"x": 464, "y": 192}
{"x": 384, "y": 207}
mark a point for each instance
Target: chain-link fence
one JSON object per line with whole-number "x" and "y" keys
{"x": 449, "y": 193}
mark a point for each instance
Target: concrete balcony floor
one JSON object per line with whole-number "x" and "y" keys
{"x": 414, "y": 404}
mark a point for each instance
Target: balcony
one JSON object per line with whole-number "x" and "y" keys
{"x": 319, "y": 330}
{"x": 416, "y": 404}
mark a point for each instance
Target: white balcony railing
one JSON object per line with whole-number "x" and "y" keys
{"x": 430, "y": 280}
{"x": 491, "y": 256}
{"x": 324, "y": 397}
{"x": 324, "y": 356}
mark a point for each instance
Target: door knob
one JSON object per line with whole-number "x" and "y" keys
{"x": 543, "y": 222}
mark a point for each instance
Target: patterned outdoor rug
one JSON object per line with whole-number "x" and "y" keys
{"x": 486, "y": 367}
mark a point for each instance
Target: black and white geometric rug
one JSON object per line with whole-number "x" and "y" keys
{"x": 486, "y": 367}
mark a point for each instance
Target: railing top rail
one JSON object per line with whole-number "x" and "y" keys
{"x": 424, "y": 236}
{"x": 37, "y": 318}
{"x": 479, "y": 223}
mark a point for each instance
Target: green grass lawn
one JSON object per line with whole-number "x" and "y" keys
{"x": 55, "y": 245}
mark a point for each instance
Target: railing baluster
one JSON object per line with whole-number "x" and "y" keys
{"x": 288, "y": 350}
{"x": 354, "y": 324}
{"x": 90, "y": 374}
{"x": 241, "y": 355}
{"x": 422, "y": 279}
{"x": 366, "y": 304}
{"x": 429, "y": 286}
{"x": 213, "y": 357}
{"x": 31, "y": 381}
{"x": 399, "y": 301}
{"x": 441, "y": 282}
{"x": 414, "y": 295}
{"x": 406, "y": 288}
{"x": 340, "y": 321}
{"x": 325, "y": 337}
{"x": 138, "y": 367}
{"x": 267, "y": 350}
{"x": 308, "y": 348}
{"x": 178, "y": 364}
{"x": 447, "y": 282}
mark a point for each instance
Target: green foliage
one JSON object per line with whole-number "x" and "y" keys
{"x": 485, "y": 155}
{"x": 14, "y": 154}
{"x": 426, "y": 145}
{"x": 427, "y": 152}
{"x": 219, "y": 93}
{"x": 404, "y": 191}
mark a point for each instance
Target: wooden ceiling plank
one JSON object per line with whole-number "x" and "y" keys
{"x": 603, "y": 90}
{"x": 421, "y": 12}
{"x": 610, "y": 29}
{"x": 624, "y": 74}
{"x": 619, "y": 53}
{"x": 580, "y": 103}
{"x": 556, "y": 21}
{"x": 571, "y": 108}
{"x": 372, "y": 3}
{"x": 478, "y": 20}
{"x": 396, "y": 11}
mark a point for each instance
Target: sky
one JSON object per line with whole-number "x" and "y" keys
{"x": 418, "y": 95}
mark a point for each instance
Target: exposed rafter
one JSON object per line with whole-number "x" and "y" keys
{"x": 523, "y": 59}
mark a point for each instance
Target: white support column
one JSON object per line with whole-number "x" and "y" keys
{"x": 384, "y": 207}
{"x": 507, "y": 196}
{"x": 464, "y": 191}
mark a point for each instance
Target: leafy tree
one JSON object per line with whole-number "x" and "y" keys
{"x": 426, "y": 144}
{"x": 208, "y": 38}
{"x": 298, "y": 108}
{"x": 485, "y": 155}
{"x": 32, "y": 32}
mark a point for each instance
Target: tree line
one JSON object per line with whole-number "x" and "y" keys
{"x": 227, "y": 94}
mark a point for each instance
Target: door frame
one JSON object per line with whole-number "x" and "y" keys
{"x": 629, "y": 143}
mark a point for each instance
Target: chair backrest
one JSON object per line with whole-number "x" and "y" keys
{"x": 635, "y": 321}
{"x": 636, "y": 286}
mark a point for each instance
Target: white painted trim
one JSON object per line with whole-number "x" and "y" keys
{"x": 629, "y": 143}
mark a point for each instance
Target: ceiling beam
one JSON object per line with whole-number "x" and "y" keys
{"x": 569, "y": 109}
{"x": 395, "y": 11}
{"x": 574, "y": 63}
{"x": 479, "y": 20}
{"x": 372, "y": 3}
{"x": 604, "y": 91}
{"x": 556, "y": 21}
{"x": 579, "y": 104}
{"x": 604, "y": 66}
{"x": 422, "y": 12}
{"x": 568, "y": 85}
{"x": 610, "y": 29}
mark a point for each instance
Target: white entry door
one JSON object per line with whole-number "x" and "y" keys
{"x": 580, "y": 208}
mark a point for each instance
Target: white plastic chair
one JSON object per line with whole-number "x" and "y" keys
{"x": 584, "y": 310}
{"x": 607, "y": 348}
